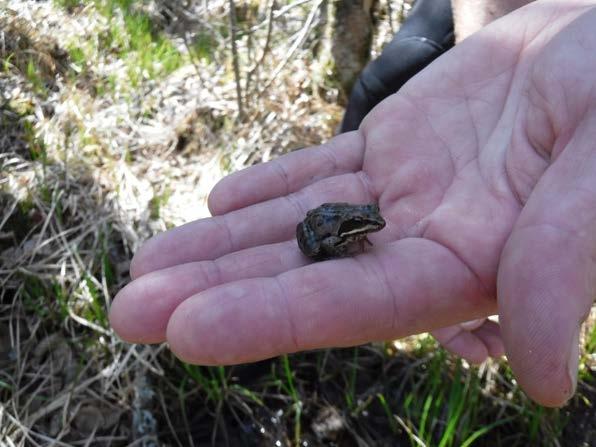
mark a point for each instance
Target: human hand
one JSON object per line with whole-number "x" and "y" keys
{"x": 483, "y": 166}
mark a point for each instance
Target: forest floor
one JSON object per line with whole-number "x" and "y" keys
{"x": 117, "y": 118}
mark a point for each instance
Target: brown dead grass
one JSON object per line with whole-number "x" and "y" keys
{"x": 87, "y": 176}
{"x": 90, "y": 168}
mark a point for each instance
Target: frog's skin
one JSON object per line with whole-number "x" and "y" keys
{"x": 335, "y": 230}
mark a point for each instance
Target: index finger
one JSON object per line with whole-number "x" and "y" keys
{"x": 287, "y": 174}
{"x": 263, "y": 223}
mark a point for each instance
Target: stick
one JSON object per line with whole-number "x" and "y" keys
{"x": 235, "y": 58}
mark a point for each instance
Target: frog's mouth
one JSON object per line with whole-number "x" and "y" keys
{"x": 354, "y": 227}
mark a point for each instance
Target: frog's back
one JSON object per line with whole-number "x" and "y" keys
{"x": 326, "y": 216}
{"x": 333, "y": 208}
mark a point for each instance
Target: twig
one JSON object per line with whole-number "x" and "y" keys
{"x": 166, "y": 414}
{"x": 390, "y": 15}
{"x": 59, "y": 401}
{"x": 410, "y": 432}
{"x": 235, "y": 58}
{"x": 265, "y": 46}
{"x": 193, "y": 59}
{"x": 301, "y": 36}
{"x": 279, "y": 13}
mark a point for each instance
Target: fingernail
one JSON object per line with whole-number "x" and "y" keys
{"x": 472, "y": 324}
{"x": 573, "y": 362}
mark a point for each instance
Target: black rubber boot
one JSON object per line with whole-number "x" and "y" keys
{"x": 424, "y": 35}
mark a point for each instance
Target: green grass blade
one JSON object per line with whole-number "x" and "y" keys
{"x": 484, "y": 430}
{"x": 388, "y": 412}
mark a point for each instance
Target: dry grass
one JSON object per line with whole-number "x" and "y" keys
{"x": 104, "y": 142}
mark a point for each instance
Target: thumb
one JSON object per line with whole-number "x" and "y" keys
{"x": 547, "y": 275}
{"x": 544, "y": 294}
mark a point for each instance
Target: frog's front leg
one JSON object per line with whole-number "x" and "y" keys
{"x": 334, "y": 247}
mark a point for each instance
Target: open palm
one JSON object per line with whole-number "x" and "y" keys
{"x": 483, "y": 167}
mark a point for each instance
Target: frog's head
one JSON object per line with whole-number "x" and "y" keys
{"x": 366, "y": 220}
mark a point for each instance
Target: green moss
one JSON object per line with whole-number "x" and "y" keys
{"x": 37, "y": 149}
{"x": 148, "y": 52}
{"x": 203, "y": 46}
{"x": 157, "y": 202}
{"x": 45, "y": 299}
{"x": 69, "y": 5}
{"x": 96, "y": 310}
{"x": 77, "y": 55}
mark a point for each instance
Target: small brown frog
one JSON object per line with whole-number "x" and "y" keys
{"x": 334, "y": 230}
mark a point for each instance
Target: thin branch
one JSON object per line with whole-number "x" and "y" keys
{"x": 235, "y": 58}
{"x": 279, "y": 13}
{"x": 299, "y": 40}
{"x": 257, "y": 64}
